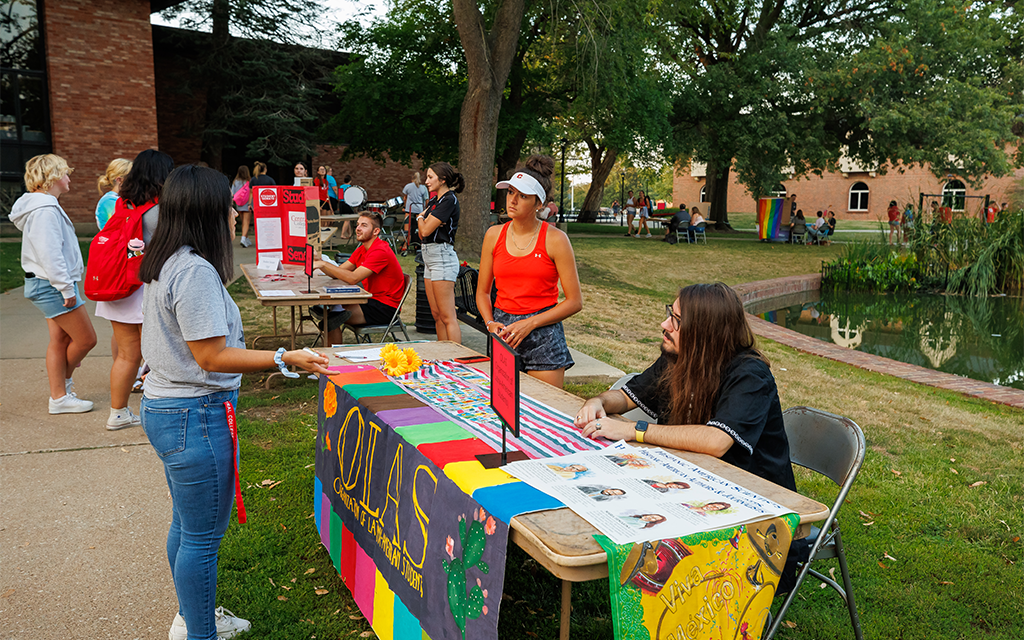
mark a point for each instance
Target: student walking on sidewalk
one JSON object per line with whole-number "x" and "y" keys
{"x": 53, "y": 266}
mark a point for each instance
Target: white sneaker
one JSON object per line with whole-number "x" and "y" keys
{"x": 245, "y": 242}
{"x": 648, "y": 235}
{"x": 122, "y": 419}
{"x": 69, "y": 403}
{"x": 228, "y": 625}
{"x": 69, "y": 387}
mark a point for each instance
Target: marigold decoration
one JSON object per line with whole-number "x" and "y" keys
{"x": 398, "y": 362}
{"x": 330, "y": 400}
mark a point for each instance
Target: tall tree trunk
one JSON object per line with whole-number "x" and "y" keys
{"x": 213, "y": 140}
{"x": 718, "y": 194}
{"x": 489, "y": 57}
{"x": 507, "y": 161}
{"x": 602, "y": 161}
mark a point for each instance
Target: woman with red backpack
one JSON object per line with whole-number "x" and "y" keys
{"x": 140, "y": 189}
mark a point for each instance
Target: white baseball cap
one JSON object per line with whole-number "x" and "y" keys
{"x": 525, "y": 184}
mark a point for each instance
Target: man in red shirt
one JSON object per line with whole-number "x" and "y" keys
{"x": 375, "y": 265}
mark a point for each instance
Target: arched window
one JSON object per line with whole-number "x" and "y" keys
{"x": 778, "y": 192}
{"x": 859, "y": 197}
{"x": 953, "y": 193}
{"x": 704, "y": 193}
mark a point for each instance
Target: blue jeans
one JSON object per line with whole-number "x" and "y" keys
{"x": 191, "y": 437}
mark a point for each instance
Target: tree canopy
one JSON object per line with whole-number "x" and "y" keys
{"x": 773, "y": 88}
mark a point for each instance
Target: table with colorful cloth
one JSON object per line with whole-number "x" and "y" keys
{"x": 417, "y": 527}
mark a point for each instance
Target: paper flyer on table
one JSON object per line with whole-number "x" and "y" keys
{"x": 636, "y": 495}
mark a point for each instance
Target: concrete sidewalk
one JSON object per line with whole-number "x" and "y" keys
{"x": 84, "y": 511}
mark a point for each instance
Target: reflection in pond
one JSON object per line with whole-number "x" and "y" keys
{"x": 979, "y": 338}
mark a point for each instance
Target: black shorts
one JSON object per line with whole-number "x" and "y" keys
{"x": 376, "y": 312}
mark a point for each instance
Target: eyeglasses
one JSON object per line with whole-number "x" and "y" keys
{"x": 671, "y": 315}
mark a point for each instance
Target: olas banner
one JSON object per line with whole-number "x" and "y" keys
{"x": 716, "y": 585}
{"x": 420, "y": 555}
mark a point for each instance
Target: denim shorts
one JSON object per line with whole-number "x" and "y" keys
{"x": 47, "y": 299}
{"x": 545, "y": 348}
{"x": 440, "y": 262}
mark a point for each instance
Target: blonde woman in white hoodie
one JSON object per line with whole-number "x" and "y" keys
{"x": 54, "y": 268}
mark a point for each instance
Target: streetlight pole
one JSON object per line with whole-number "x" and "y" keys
{"x": 622, "y": 195}
{"x": 561, "y": 196}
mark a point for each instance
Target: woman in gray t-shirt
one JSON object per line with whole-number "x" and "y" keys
{"x": 193, "y": 343}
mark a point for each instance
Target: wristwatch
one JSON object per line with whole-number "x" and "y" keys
{"x": 641, "y": 430}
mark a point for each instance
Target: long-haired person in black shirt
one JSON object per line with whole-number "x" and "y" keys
{"x": 437, "y": 226}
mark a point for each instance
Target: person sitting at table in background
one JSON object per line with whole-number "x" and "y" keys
{"x": 831, "y": 223}
{"x": 681, "y": 219}
{"x": 323, "y": 190}
{"x": 549, "y": 213}
{"x": 798, "y": 227}
{"x": 526, "y": 258}
{"x": 375, "y": 265}
{"x": 53, "y": 266}
{"x": 712, "y": 392}
{"x": 414, "y": 202}
{"x": 109, "y": 185}
{"x": 436, "y": 227}
{"x": 695, "y": 220}
{"x": 817, "y": 230}
{"x": 196, "y": 351}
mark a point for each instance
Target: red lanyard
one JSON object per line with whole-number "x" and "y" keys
{"x": 229, "y": 409}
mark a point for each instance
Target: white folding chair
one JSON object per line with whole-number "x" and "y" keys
{"x": 363, "y": 331}
{"x": 698, "y": 234}
{"x": 834, "y": 447}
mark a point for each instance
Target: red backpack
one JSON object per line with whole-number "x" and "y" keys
{"x": 116, "y": 253}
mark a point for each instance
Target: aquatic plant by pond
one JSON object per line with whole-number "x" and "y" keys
{"x": 979, "y": 338}
{"x": 965, "y": 256}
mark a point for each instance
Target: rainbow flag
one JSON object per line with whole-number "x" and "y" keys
{"x": 769, "y": 214}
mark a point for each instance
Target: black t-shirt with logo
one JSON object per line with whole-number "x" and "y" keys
{"x": 446, "y": 209}
{"x": 747, "y": 408}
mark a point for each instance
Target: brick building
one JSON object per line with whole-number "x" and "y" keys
{"x": 855, "y": 193}
{"x": 93, "y": 80}
{"x": 77, "y": 81}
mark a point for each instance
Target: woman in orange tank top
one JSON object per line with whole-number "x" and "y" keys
{"x": 526, "y": 259}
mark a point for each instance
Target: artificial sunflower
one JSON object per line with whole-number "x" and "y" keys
{"x": 395, "y": 362}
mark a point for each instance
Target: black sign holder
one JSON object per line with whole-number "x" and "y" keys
{"x": 508, "y": 420}
{"x": 307, "y": 268}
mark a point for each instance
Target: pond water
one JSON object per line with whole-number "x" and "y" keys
{"x": 979, "y": 338}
